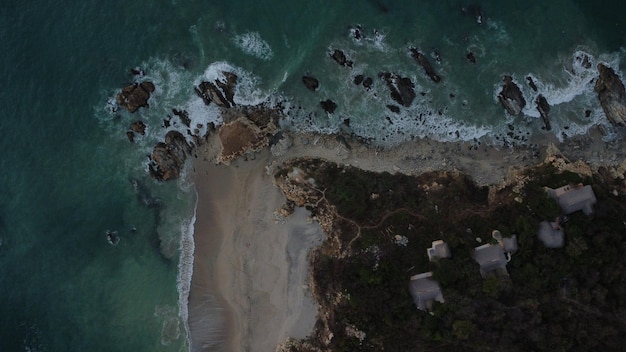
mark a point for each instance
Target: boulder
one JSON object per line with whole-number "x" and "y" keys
{"x": 544, "y": 108}
{"x": 401, "y": 88}
{"x": 422, "y": 60}
{"x": 168, "y": 157}
{"x": 511, "y": 96}
{"x": 329, "y": 106}
{"x": 135, "y": 96}
{"x": 367, "y": 82}
{"x": 358, "y": 79}
{"x": 131, "y": 136}
{"x": 611, "y": 94}
{"x": 341, "y": 58}
{"x": 310, "y": 82}
{"x": 138, "y": 127}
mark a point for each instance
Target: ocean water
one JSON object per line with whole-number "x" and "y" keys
{"x": 69, "y": 174}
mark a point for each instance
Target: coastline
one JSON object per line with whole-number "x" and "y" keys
{"x": 242, "y": 252}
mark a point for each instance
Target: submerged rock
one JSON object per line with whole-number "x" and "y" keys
{"x": 470, "y": 56}
{"x": 310, "y": 82}
{"x": 135, "y": 96}
{"x": 511, "y": 96}
{"x": 138, "y": 127}
{"x": 611, "y": 94}
{"x": 423, "y": 61}
{"x": 401, "y": 88}
{"x": 544, "y": 108}
{"x": 531, "y": 83}
{"x": 168, "y": 158}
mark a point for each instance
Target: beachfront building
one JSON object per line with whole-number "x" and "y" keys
{"x": 425, "y": 291}
{"x": 572, "y": 198}
{"x": 551, "y": 234}
{"x": 439, "y": 249}
{"x": 491, "y": 259}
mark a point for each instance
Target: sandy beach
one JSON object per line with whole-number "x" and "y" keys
{"x": 253, "y": 263}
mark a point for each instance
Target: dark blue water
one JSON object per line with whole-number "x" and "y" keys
{"x": 67, "y": 167}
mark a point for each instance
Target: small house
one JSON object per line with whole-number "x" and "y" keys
{"x": 491, "y": 259}
{"x": 551, "y": 234}
{"x": 425, "y": 291}
{"x": 572, "y": 198}
{"x": 439, "y": 249}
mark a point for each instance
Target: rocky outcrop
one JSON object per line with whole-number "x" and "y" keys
{"x": 247, "y": 129}
{"x": 138, "y": 127}
{"x": 611, "y": 94}
{"x": 531, "y": 83}
{"x": 168, "y": 158}
{"x": 511, "y": 96}
{"x": 135, "y": 96}
{"x": 328, "y": 105}
{"x": 220, "y": 92}
{"x": 422, "y": 60}
{"x": 341, "y": 58}
{"x": 310, "y": 82}
{"x": 470, "y": 57}
{"x": 544, "y": 108}
{"x": 401, "y": 88}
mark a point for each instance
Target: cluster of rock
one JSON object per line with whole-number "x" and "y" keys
{"x": 245, "y": 128}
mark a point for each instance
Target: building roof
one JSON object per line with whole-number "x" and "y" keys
{"x": 572, "y": 198}
{"x": 490, "y": 258}
{"x": 439, "y": 249}
{"x": 551, "y": 234}
{"x": 425, "y": 290}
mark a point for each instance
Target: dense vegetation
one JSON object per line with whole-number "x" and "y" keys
{"x": 570, "y": 298}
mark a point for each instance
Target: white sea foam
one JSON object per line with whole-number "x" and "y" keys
{"x": 185, "y": 269}
{"x": 252, "y": 44}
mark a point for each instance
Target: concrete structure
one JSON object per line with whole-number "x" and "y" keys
{"x": 439, "y": 249}
{"x": 425, "y": 291}
{"x": 572, "y": 198}
{"x": 551, "y": 234}
{"x": 491, "y": 259}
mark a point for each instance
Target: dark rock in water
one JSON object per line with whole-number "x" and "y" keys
{"x": 544, "y": 109}
{"x": 346, "y": 122}
{"x": 138, "y": 127}
{"x": 113, "y": 238}
{"x": 587, "y": 113}
{"x": 310, "y": 82}
{"x": 228, "y": 87}
{"x": 183, "y": 116}
{"x": 531, "y": 83}
{"x": 401, "y": 88}
{"x": 209, "y": 92}
{"x": 358, "y": 79}
{"x": 423, "y": 61}
{"x": 611, "y": 94}
{"x": 584, "y": 61}
{"x": 437, "y": 56}
{"x": 135, "y": 96}
{"x": 329, "y": 106}
{"x": 511, "y": 97}
{"x": 470, "y": 56}
{"x": 341, "y": 58}
{"x": 393, "y": 108}
{"x": 168, "y": 158}
{"x": 131, "y": 136}
{"x": 367, "y": 83}
{"x": 137, "y": 72}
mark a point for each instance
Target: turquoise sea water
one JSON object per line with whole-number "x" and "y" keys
{"x": 67, "y": 169}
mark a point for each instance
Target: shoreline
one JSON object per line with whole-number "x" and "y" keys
{"x": 251, "y": 273}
